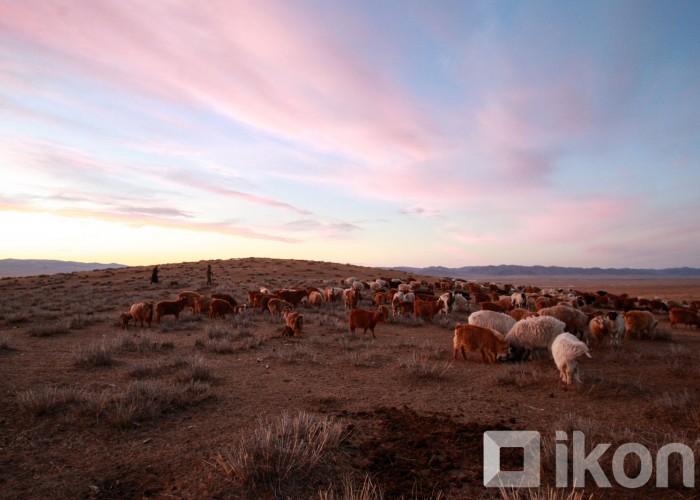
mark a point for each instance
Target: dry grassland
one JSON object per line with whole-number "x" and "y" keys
{"x": 202, "y": 408}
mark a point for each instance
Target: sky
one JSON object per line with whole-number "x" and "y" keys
{"x": 394, "y": 133}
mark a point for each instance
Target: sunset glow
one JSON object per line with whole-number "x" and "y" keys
{"x": 384, "y": 134}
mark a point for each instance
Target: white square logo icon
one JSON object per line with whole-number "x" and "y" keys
{"x": 529, "y": 441}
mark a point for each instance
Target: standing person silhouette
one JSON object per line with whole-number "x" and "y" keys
{"x": 209, "y": 274}
{"x": 154, "y": 275}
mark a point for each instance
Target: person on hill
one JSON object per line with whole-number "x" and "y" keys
{"x": 154, "y": 275}
{"x": 209, "y": 274}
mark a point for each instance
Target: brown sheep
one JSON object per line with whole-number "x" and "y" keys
{"x": 683, "y": 315}
{"x": 124, "y": 319}
{"x": 518, "y": 313}
{"x": 367, "y": 320}
{"x": 201, "y": 304}
{"x": 275, "y": 306}
{"x": 575, "y": 320}
{"x": 492, "y": 306}
{"x": 639, "y": 323}
{"x": 316, "y": 299}
{"x": 350, "y": 298}
{"x": 294, "y": 297}
{"x": 294, "y": 320}
{"x": 597, "y": 328}
{"x": 142, "y": 311}
{"x": 191, "y": 298}
{"x": 220, "y": 307}
{"x": 166, "y": 307}
{"x": 404, "y": 308}
{"x": 428, "y": 309}
{"x": 472, "y": 338}
{"x": 225, "y": 296}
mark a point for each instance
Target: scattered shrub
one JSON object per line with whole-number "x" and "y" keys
{"x": 419, "y": 366}
{"x": 94, "y": 355}
{"x": 283, "y": 451}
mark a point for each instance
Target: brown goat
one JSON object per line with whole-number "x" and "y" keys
{"x": 367, "y": 320}
{"x": 173, "y": 307}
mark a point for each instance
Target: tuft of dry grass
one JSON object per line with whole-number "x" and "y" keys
{"x": 145, "y": 400}
{"x": 548, "y": 493}
{"x": 46, "y": 329}
{"x": 48, "y": 400}
{"x": 520, "y": 375}
{"x": 94, "y": 355}
{"x": 352, "y": 490}
{"x": 145, "y": 343}
{"x": 281, "y": 452}
{"x": 194, "y": 369}
{"x": 420, "y": 366}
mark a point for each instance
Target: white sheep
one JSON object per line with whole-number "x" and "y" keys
{"x": 500, "y": 322}
{"x": 566, "y": 348}
{"x": 537, "y": 332}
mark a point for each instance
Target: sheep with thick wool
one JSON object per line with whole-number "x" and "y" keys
{"x": 537, "y": 332}
{"x": 566, "y": 349}
{"x": 576, "y": 321}
{"x": 500, "y": 322}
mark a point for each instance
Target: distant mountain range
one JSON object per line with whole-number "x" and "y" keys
{"x": 511, "y": 270}
{"x": 22, "y": 267}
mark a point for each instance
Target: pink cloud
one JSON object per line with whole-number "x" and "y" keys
{"x": 267, "y": 64}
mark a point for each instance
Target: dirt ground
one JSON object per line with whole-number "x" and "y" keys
{"x": 88, "y": 410}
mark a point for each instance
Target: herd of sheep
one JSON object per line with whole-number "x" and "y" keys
{"x": 504, "y": 323}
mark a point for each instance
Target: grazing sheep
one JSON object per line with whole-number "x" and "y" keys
{"x": 367, "y": 320}
{"x": 615, "y": 326}
{"x": 225, "y": 296}
{"x": 500, "y": 322}
{"x": 566, "y": 348}
{"x": 191, "y": 298}
{"x": 350, "y": 298}
{"x": 537, "y": 332}
{"x": 461, "y": 304}
{"x": 519, "y": 313}
{"x": 472, "y": 338}
{"x": 575, "y": 320}
{"x": 428, "y": 309}
{"x": 201, "y": 304}
{"x": 170, "y": 307}
{"x": 219, "y": 307}
{"x": 142, "y": 311}
{"x": 332, "y": 294}
{"x": 124, "y": 319}
{"x": 293, "y": 296}
{"x": 492, "y": 306}
{"x": 684, "y": 316}
{"x": 384, "y": 310}
{"x": 316, "y": 299}
{"x": 404, "y": 308}
{"x": 639, "y": 324}
{"x": 597, "y": 328}
{"x": 275, "y": 306}
{"x": 294, "y": 320}
{"x": 395, "y": 301}
{"x": 518, "y": 300}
